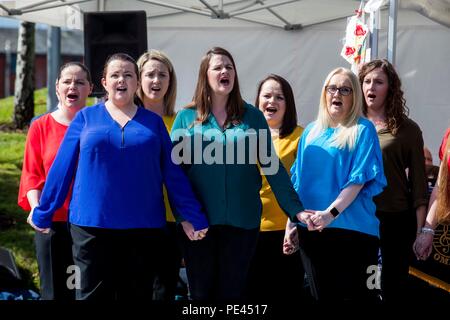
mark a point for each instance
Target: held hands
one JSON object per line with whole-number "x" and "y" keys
{"x": 422, "y": 247}
{"x": 193, "y": 235}
{"x": 315, "y": 220}
{"x": 30, "y": 222}
{"x": 305, "y": 217}
{"x": 321, "y": 219}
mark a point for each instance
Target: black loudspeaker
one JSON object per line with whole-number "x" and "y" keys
{"x": 106, "y": 33}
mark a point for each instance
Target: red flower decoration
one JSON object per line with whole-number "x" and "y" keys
{"x": 349, "y": 51}
{"x": 359, "y": 30}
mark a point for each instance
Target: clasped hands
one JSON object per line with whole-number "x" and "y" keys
{"x": 315, "y": 220}
{"x": 190, "y": 232}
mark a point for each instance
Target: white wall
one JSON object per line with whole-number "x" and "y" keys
{"x": 305, "y": 57}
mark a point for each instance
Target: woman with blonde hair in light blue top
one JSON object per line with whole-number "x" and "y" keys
{"x": 337, "y": 171}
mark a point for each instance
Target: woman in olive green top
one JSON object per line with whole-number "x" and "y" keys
{"x": 401, "y": 207}
{"x": 220, "y": 140}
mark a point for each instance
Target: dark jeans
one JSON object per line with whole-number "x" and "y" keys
{"x": 54, "y": 256}
{"x": 397, "y": 234}
{"x": 273, "y": 275}
{"x": 116, "y": 264}
{"x": 337, "y": 261}
{"x": 217, "y": 266}
{"x": 168, "y": 268}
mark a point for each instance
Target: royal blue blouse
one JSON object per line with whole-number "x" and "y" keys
{"x": 119, "y": 174}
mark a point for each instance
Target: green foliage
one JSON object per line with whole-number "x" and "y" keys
{"x": 15, "y": 235}
{"x": 7, "y": 105}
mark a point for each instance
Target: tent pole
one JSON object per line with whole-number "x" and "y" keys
{"x": 53, "y": 63}
{"x": 375, "y": 27}
{"x": 392, "y": 31}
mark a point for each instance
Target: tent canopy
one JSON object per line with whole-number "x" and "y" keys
{"x": 285, "y": 14}
{"x": 299, "y": 40}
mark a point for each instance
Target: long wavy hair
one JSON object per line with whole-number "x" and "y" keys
{"x": 443, "y": 200}
{"x": 347, "y": 133}
{"x": 171, "y": 94}
{"x": 395, "y": 104}
{"x": 289, "y": 122}
{"x": 202, "y": 95}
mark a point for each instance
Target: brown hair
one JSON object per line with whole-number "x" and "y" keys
{"x": 75, "y": 64}
{"x": 395, "y": 104}
{"x": 443, "y": 199}
{"x": 120, "y": 57}
{"x": 171, "y": 94}
{"x": 127, "y": 58}
{"x": 289, "y": 122}
{"x": 202, "y": 94}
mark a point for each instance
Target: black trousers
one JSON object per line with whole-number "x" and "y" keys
{"x": 168, "y": 267}
{"x": 273, "y": 275}
{"x": 54, "y": 256}
{"x": 397, "y": 234}
{"x": 217, "y": 266}
{"x": 337, "y": 261}
{"x": 116, "y": 264}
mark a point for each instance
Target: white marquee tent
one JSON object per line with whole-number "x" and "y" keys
{"x": 298, "y": 39}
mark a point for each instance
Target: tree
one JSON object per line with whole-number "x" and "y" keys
{"x": 24, "y": 85}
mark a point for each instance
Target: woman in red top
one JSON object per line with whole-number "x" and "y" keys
{"x": 53, "y": 249}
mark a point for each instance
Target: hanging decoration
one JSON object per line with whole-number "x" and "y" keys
{"x": 356, "y": 37}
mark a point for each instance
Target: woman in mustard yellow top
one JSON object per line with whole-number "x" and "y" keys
{"x": 158, "y": 93}
{"x": 269, "y": 276}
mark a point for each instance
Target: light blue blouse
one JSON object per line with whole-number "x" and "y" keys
{"x": 322, "y": 171}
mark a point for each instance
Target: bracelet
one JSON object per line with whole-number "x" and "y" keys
{"x": 427, "y": 230}
{"x": 335, "y": 212}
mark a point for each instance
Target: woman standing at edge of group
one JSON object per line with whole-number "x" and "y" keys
{"x": 120, "y": 156}
{"x": 53, "y": 249}
{"x": 222, "y": 126}
{"x": 401, "y": 207}
{"x": 158, "y": 92}
{"x": 439, "y": 206}
{"x": 338, "y": 170}
{"x": 268, "y": 276}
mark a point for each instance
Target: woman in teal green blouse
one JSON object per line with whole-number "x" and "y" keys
{"x": 224, "y": 145}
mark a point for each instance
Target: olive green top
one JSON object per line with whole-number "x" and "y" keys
{"x": 404, "y": 168}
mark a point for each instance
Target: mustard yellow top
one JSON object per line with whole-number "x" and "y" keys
{"x": 273, "y": 217}
{"x": 168, "y": 121}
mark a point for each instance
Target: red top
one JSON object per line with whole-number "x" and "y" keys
{"x": 43, "y": 140}
{"x": 442, "y": 148}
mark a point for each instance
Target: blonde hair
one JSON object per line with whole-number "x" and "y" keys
{"x": 443, "y": 199}
{"x": 347, "y": 133}
{"x": 171, "y": 94}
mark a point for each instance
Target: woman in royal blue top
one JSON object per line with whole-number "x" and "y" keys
{"x": 338, "y": 170}
{"x": 221, "y": 140}
{"x": 120, "y": 156}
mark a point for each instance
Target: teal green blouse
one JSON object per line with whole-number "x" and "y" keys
{"x": 224, "y": 165}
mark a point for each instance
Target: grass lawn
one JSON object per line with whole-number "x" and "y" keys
{"x": 15, "y": 233}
